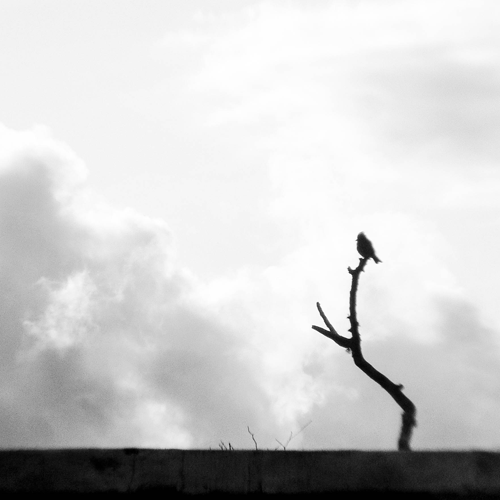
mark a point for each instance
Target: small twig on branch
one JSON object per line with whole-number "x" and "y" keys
{"x": 284, "y": 445}
{"x": 253, "y": 437}
{"x": 292, "y": 435}
{"x": 354, "y": 345}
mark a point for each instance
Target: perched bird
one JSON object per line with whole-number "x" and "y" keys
{"x": 365, "y": 248}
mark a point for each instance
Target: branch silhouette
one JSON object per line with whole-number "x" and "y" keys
{"x": 292, "y": 435}
{"x": 353, "y": 345}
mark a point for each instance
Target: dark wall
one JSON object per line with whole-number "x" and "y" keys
{"x": 473, "y": 473}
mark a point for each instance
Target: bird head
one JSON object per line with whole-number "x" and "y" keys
{"x": 360, "y": 236}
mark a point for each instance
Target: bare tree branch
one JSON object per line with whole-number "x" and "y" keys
{"x": 253, "y": 437}
{"x": 292, "y": 435}
{"x": 354, "y": 344}
{"x": 223, "y": 446}
{"x": 331, "y": 333}
{"x": 281, "y": 444}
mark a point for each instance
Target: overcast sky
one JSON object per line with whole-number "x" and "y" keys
{"x": 181, "y": 181}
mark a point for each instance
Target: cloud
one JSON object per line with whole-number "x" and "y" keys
{"x": 364, "y": 118}
{"x": 372, "y": 118}
{"x": 407, "y": 89}
{"x": 101, "y": 343}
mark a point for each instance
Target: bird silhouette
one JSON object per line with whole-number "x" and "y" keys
{"x": 365, "y": 248}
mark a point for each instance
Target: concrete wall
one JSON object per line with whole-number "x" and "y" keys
{"x": 245, "y": 471}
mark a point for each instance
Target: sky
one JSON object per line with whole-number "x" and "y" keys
{"x": 182, "y": 181}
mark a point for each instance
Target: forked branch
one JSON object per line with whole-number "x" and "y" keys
{"x": 353, "y": 344}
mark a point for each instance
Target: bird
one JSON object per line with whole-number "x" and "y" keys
{"x": 365, "y": 248}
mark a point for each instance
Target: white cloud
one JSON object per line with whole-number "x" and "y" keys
{"x": 371, "y": 118}
{"x": 366, "y": 116}
{"x": 101, "y": 346}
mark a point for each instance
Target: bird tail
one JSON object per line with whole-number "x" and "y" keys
{"x": 376, "y": 259}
